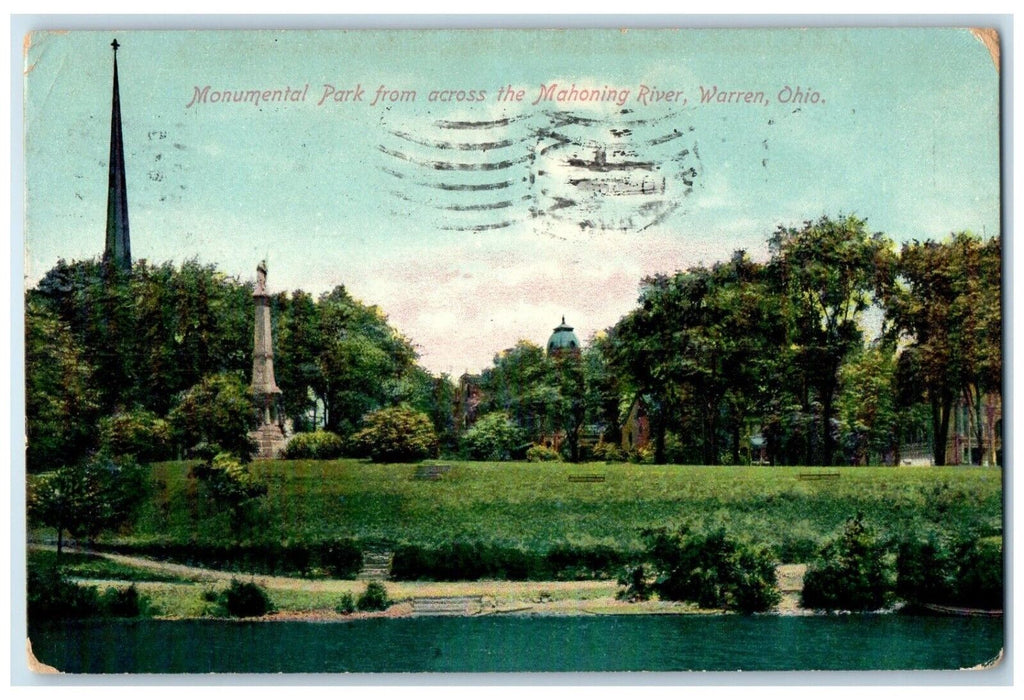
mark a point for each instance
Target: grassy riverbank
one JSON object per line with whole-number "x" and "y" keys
{"x": 174, "y": 591}
{"x": 536, "y": 507}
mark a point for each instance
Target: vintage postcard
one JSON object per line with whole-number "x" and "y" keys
{"x": 498, "y": 350}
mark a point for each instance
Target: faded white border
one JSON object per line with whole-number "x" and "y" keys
{"x": 11, "y": 347}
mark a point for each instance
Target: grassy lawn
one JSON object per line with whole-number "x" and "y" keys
{"x": 535, "y": 506}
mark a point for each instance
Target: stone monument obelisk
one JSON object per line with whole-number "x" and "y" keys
{"x": 270, "y": 435}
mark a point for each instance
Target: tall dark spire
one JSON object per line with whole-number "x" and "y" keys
{"x": 118, "y": 247}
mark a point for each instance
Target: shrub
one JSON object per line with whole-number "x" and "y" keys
{"x": 494, "y": 437}
{"x": 232, "y": 486}
{"x": 851, "y": 572}
{"x": 980, "y": 573}
{"x": 245, "y": 599}
{"x": 375, "y": 597}
{"x": 340, "y": 558}
{"x": 925, "y": 570}
{"x": 321, "y": 444}
{"x": 123, "y": 602}
{"x": 642, "y": 455}
{"x": 398, "y": 434}
{"x": 609, "y": 452}
{"x": 51, "y": 596}
{"x": 540, "y": 453}
{"x": 139, "y": 434}
{"x": 346, "y": 604}
{"x": 713, "y": 570}
{"x": 937, "y": 569}
{"x": 638, "y": 584}
{"x": 568, "y": 562}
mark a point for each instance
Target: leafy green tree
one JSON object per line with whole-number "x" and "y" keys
{"x": 434, "y": 396}
{"x": 638, "y": 351}
{"x": 95, "y": 300}
{"x": 826, "y": 272}
{"x": 700, "y": 348}
{"x": 88, "y": 498}
{"x": 296, "y": 360}
{"x": 362, "y": 361}
{"x": 397, "y": 434}
{"x": 149, "y": 334}
{"x": 523, "y": 384}
{"x": 193, "y": 321}
{"x": 571, "y": 408}
{"x": 866, "y": 404}
{"x": 908, "y": 395}
{"x": 604, "y": 390}
{"x": 218, "y": 413}
{"x": 945, "y": 298}
{"x": 61, "y": 397}
{"x": 494, "y": 437}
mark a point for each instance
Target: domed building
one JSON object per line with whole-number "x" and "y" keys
{"x": 563, "y": 341}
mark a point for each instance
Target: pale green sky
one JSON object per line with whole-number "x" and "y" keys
{"x": 475, "y": 224}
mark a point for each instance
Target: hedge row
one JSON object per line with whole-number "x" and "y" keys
{"x": 462, "y": 561}
{"x": 335, "y": 558}
{"x": 946, "y": 571}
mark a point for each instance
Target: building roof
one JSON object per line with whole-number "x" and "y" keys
{"x": 563, "y": 339}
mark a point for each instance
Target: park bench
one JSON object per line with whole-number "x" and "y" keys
{"x": 586, "y": 479}
{"x": 430, "y": 472}
{"x": 817, "y": 476}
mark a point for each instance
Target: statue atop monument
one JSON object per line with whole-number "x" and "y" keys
{"x": 261, "y": 279}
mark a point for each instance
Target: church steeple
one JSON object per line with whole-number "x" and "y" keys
{"x": 118, "y": 248}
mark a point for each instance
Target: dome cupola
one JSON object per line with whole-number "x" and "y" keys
{"x": 563, "y": 340}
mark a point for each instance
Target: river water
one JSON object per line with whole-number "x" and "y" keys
{"x": 521, "y": 643}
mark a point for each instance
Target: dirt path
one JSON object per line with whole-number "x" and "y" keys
{"x": 790, "y": 578}
{"x": 546, "y": 597}
{"x": 529, "y": 591}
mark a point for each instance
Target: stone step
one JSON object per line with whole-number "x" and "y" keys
{"x": 455, "y": 605}
{"x": 376, "y": 566}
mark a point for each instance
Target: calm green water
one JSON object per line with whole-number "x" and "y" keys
{"x": 498, "y": 644}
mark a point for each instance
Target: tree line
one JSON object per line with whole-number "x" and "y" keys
{"x": 156, "y": 361}
{"x": 839, "y": 349}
